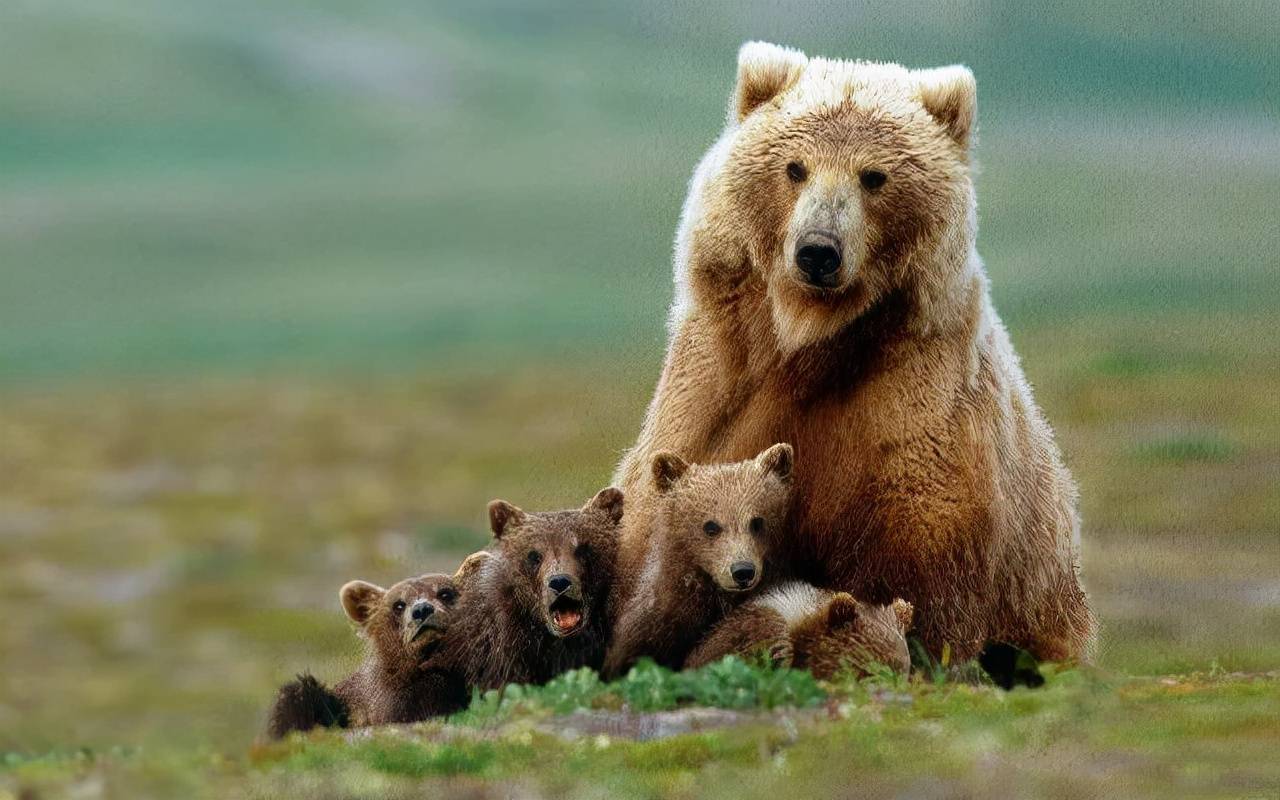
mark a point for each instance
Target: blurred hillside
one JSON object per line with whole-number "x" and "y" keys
{"x": 220, "y": 186}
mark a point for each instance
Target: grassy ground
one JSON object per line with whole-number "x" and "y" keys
{"x": 289, "y": 291}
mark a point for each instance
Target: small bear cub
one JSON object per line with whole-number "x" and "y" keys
{"x": 535, "y": 599}
{"x": 407, "y": 674}
{"x": 798, "y": 625}
{"x": 715, "y": 527}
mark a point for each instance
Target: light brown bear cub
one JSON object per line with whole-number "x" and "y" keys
{"x": 799, "y": 625}
{"x": 407, "y": 674}
{"x": 709, "y": 548}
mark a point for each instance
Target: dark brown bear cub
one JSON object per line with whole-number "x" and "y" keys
{"x": 535, "y": 603}
{"x": 798, "y": 625}
{"x": 408, "y": 673}
{"x": 716, "y": 525}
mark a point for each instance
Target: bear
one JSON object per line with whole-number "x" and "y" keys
{"x": 799, "y": 625}
{"x": 829, "y": 294}
{"x": 535, "y": 601}
{"x": 407, "y": 674}
{"x": 711, "y": 546}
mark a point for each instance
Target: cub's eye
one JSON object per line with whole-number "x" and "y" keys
{"x": 756, "y": 524}
{"x": 447, "y": 595}
{"x": 582, "y": 552}
{"x": 873, "y": 179}
{"x": 796, "y": 172}
{"x": 398, "y": 607}
{"x": 711, "y": 528}
{"x": 534, "y": 558}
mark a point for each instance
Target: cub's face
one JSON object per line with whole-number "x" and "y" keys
{"x": 846, "y": 176}
{"x": 847, "y": 633}
{"x": 556, "y": 565}
{"x": 722, "y": 517}
{"x": 409, "y": 619}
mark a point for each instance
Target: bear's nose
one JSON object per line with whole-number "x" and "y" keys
{"x": 818, "y": 257}
{"x": 743, "y": 572}
{"x": 421, "y": 610}
{"x": 559, "y": 583}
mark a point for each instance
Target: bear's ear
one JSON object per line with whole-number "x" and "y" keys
{"x": 777, "y": 460}
{"x": 764, "y": 72}
{"x": 360, "y": 599}
{"x": 609, "y": 501}
{"x": 950, "y": 95}
{"x": 842, "y": 610}
{"x": 469, "y": 567}
{"x": 503, "y": 516}
{"x": 667, "y": 469}
{"x": 905, "y": 612}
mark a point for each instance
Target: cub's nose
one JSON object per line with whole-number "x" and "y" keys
{"x": 743, "y": 572}
{"x": 559, "y": 583}
{"x": 818, "y": 257}
{"x": 421, "y": 610}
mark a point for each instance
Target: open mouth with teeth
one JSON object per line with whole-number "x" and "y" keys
{"x": 566, "y": 615}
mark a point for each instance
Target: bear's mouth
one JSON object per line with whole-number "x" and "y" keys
{"x": 566, "y": 616}
{"x": 429, "y": 628}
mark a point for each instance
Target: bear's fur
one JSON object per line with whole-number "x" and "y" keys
{"x": 407, "y": 674}
{"x": 798, "y": 625}
{"x": 716, "y": 527}
{"x": 535, "y": 602}
{"x": 928, "y": 471}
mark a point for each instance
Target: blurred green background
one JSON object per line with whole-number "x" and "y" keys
{"x": 289, "y": 290}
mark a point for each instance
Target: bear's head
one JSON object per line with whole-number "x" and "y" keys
{"x": 556, "y": 566}
{"x": 847, "y": 634}
{"x": 836, "y": 185}
{"x": 406, "y": 623}
{"x": 722, "y": 518}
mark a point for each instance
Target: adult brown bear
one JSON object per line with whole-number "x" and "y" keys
{"x": 829, "y": 294}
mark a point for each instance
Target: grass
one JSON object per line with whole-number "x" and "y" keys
{"x": 289, "y": 292}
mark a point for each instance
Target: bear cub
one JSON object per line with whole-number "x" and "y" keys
{"x": 535, "y": 600}
{"x": 798, "y": 625}
{"x": 408, "y": 673}
{"x": 715, "y": 527}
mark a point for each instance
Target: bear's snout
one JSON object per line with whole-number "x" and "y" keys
{"x": 560, "y": 583}
{"x": 818, "y": 258}
{"x": 421, "y": 610}
{"x": 743, "y": 572}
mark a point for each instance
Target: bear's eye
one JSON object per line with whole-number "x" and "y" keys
{"x": 534, "y": 558}
{"x": 796, "y": 172}
{"x": 756, "y": 524}
{"x": 446, "y": 595}
{"x": 873, "y": 179}
{"x": 711, "y": 528}
{"x": 582, "y": 552}
{"x": 398, "y": 607}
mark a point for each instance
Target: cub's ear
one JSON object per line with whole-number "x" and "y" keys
{"x": 469, "y": 567}
{"x": 950, "y": 95}
{"x": 360, "y": 599}
{"x": 905, "y": 612}
{"x": 764, "y": 72}
{"x": 667, "y": 469}
{"x": 609, "y": 501}
{"x": 778, "y": 460}
{"x": 503, "y": 516}
{"x": 842, "y": 610}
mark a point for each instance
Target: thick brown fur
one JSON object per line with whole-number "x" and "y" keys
{"x": 408, "y": 672}
{"x": 712, "y": 519}
{"x": 535, "y": 602}
{"x": 927, "y": 471}
{"x": 797, "y": 625}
